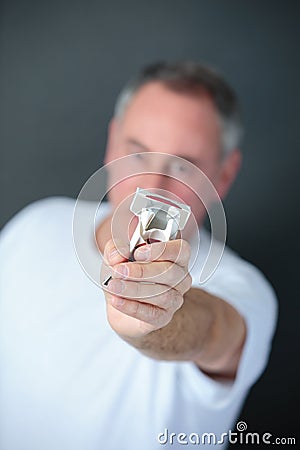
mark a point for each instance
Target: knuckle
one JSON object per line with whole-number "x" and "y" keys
{"x": 185, "y": 249}
{"x": 189, "y": 280}
{"x": 167, "y": 299}
{"x": 165, "y": 318}
{"x": 171, "y": 300}
{"x": 172, "y": 273}
{"x": 184, "y": 283}
{"x": 180, "y": 275}
{"x": 182, "y": 252}
{"x": 138, "y": 270}
{"x": 178, "y": 301}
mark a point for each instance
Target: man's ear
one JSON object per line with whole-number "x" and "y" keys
{"x": 110, "y": 152}
{"x": 228, "y": 172}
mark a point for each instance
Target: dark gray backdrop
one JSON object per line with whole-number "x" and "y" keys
{"x": 62, "y": 64}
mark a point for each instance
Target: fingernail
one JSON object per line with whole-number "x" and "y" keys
{"x": 116, "y": 286}
{"x": 117, "y": 301}
{"x": 123, "y": 251}
{"x": 142, "y": 253}
{"x": 122, "y": 269}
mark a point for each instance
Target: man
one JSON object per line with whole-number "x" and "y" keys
{"x": 167, "y": 355}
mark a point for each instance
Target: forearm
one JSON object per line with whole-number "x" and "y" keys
{"x": 205, "y": 330}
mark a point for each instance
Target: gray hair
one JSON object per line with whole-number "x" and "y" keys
{"x": 192, "y": 79}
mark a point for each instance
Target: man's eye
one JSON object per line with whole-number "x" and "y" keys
{"x": 138, "y": 155}
{"x": 179, "y": 168}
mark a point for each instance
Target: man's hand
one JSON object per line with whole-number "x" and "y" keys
{"x": 143, "y": 295}
{"x": 155, "y": 309}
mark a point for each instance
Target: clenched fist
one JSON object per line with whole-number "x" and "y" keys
{"x": 142, "y": 296}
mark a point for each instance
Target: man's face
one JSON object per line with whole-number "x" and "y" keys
{"x": 160, "y": 120}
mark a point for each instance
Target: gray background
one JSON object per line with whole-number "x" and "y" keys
{"x": 62, "y": 65}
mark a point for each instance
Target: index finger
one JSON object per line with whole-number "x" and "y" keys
{"x": 116, "y": 252}
{"x": 177, "y": 251}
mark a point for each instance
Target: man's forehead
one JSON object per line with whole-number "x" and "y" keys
{"x": 154, "y": 105}
{"x": 152, "y": 90}
{"x": 168, "y": 121}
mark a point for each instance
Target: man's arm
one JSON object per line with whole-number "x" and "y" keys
{"x": 156, "y": 310}
{"x": 205, "y": 330}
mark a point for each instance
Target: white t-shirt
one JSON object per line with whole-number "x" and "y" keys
{"x": 69, "y": 382}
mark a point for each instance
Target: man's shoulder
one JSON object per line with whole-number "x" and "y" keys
{"x": 46, "y": 227}
{"x": 38, "y": 217}
{"x": 39, "y": 221}
{"x": 46, "y": 208}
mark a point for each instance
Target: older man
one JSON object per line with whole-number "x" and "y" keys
{"x": 183, "y": 356}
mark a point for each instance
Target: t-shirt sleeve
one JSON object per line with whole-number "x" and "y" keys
{"x": 245, "y": 288}
{"x": 31, "y": 224}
